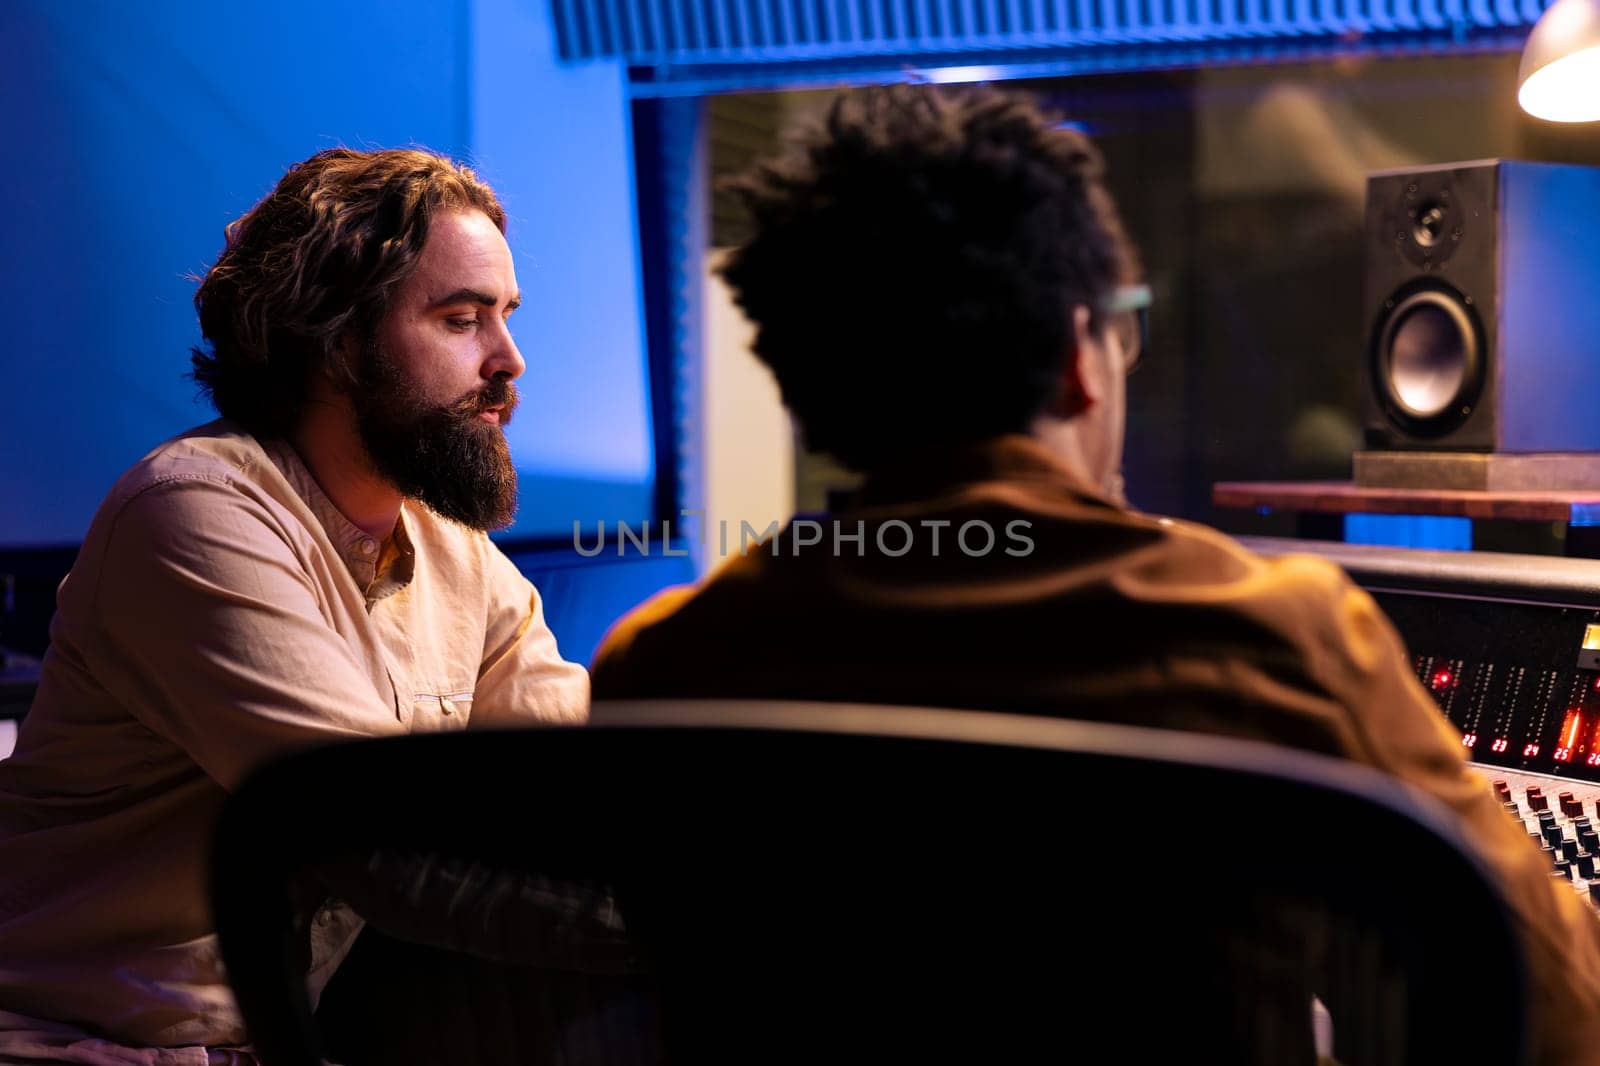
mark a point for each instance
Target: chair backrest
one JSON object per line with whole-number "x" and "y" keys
{"x": 822, "y": 882}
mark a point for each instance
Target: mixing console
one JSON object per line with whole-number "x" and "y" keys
{"x": 1513, "y": 678}
{"x": 1508, "y": 645}
{"x": 1509, "y": 648}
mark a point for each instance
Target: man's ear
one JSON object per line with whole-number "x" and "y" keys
{"x": 343, "y": 366}
{"x": 1080, "y": 385}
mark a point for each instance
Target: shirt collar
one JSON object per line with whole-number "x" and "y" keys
{"x": 359, "y": 550}
{"x": 399, "y": 573}
{"x": 943, "y": 469}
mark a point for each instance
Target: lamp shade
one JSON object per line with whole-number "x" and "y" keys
{"x": 1560, "y": 76}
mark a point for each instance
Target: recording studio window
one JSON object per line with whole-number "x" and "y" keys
{"x": 1244, "y": 188}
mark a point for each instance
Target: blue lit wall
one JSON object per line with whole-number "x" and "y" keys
{"x": 134, "y": 133}
{"x": 555, "y": 142}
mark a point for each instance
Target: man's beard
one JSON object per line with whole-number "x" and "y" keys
{"x": 445, "y": 456}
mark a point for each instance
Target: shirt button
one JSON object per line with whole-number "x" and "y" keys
{"x": 368, "y": 546}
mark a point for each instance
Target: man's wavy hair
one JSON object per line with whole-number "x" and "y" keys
{"x": 318, "y": 259}
{"x": 915, "y": 262}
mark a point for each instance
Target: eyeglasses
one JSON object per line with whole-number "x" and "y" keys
{"x": 1127, "y": 311}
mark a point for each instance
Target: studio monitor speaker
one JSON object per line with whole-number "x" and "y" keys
{"x": 1483, "y": 308}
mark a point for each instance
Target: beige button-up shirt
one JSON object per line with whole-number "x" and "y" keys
{"x": 222, "y": 611}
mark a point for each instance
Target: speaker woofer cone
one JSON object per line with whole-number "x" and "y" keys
{"x": 1429, "y": 364}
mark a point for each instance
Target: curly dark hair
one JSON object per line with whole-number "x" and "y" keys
{"x": 318, "y": 258}
{"x": 915, "y": 262}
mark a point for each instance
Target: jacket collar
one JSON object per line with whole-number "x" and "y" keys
{"x": 945, "y": 469}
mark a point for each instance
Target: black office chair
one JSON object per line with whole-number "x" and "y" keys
{"x": 817, "y": 883}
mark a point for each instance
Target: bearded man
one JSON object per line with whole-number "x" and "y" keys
{"x": 311, "y": 567}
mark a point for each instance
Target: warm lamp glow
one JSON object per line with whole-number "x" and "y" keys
{"x": 1567, "y": 90}
{"x": 1560, "y": 76}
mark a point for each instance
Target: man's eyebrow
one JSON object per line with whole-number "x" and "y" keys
{"x": 473, "y": 296}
